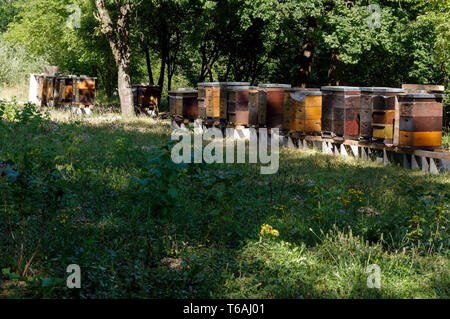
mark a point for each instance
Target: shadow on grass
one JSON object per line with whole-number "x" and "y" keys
{"x": 214, "y": 229}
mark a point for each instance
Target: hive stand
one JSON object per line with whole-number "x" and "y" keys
{"x": 427, "y": 161}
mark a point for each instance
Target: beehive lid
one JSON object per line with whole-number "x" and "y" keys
{"x": 239, "y": 88}
{"x": 424, "y": 95}
{"x": 341, "y": 88}
{"x": 382, "y": 90}
{"x": 235, "y": 83}
{"x": 85, "y": 77}
{"x": 272, "y": 85}
{"x": 184, "y": 90}
{"x": 208, "y": 84}
{"x": 307, "y": 93}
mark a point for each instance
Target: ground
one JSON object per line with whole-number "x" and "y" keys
{"x": 101, "y": 192}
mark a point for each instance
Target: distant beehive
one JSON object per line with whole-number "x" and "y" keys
{"x": 209, "y": 100}
{"x": 273, "y": 97}
{"x": 84, "y": 91}
{"x": 201, "y": 99}
{"x": 225, "y": 89}
{"x": 183, "y": 104}
{"x": 238, "y": 108}
{"x": 253, "y": 105}
{"x": 379, "y": 113}
{"x": 146, "y": 97}
{"x": 307, "y": 111}
{"x": 61, "y": 90}
{"x": 288, "y": 108}
{"x": 257, "y": 105}
{"x": 340, "y": 111}
{"x": 420, "y": 120}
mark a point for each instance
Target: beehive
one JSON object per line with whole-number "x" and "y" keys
{"x": 61, "y": 90}
{"x": 288, "y": 109}
{"x": 379, "y": 115}
{"x": 262, "y": 107}
{"x": 201, "y": 100}
{"x": 307, "y": 111}
{"x": 85, "y": 91}
{"x": 340, "y": 111}
{"x": 420, "y": 120}
{"x": 225, "y": 89}
{"x": 146, "y": 97}
{"x": 183, "y": 104}
{"x": 238, "y": 108}
{"x": 172, "y": 98}
{"x": 273, "y": 98}
{"x": 209, "y": 100}
{"x": 253, "y": 105}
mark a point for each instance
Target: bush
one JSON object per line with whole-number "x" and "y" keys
{"x": 17, "y": 64}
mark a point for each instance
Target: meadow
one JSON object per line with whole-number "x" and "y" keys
{"x": 102, "y": 192}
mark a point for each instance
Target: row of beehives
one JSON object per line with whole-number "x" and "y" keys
{"x": 404, "y": 118}
{"x": 59, "y": 90}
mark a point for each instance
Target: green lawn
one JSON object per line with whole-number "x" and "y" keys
{"x": 101, "y": 192}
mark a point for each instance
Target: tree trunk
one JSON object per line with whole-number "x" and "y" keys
{"x": 336, "y": 70}
{"x": 124, "y": 86}
{"x": 149, "y": 65}
{"x": 118, "y": 37}
{"x": 307, "y": 55}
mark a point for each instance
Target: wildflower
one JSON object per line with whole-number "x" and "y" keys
{"x": 266, "y": 229}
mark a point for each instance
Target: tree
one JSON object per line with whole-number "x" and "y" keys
{"x": 118, "y": 36}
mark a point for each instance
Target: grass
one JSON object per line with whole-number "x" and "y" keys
{"x": 87, "y": 194}
{"x": 18, "y": 92}
{"x": 446, "y": 141}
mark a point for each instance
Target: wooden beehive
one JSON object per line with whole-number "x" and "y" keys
{"x": 209, "y": 100}
{"x": 262, "y": 107}
{"x": 340, "y": 111}
{"x": 420, "y": 124}
{"x": 183, "y": 104}
{"x": 46, "y": 85}
{"x": 273, "y": 98}
{"x": 288, "y": 109}
{"x": 201, "y": 100}
{"x": 84, "y": 91}
{"x": 253, "y": 104}
{"x": 379, "y": 115}
{"x": 225, "y": 88}
{"x": 307, "y": 111}
{"x": 146, "y": 97}
{"x": 238, "y": 109}
{"x": 172, "y": 96}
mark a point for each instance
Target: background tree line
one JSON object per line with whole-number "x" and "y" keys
{"x": 176, "y": 43}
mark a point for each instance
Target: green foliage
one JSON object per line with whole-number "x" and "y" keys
{"x": 17, "y": 64}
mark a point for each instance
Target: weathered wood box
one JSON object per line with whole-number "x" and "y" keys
{"x": 420, "y": 120}
{"x": 273, "y": 97}
{"x": 186, "y": 105}
{"x": 225, "y": 89}
{"x": 378, "y": 113}
{"x": 146, "y": 97}
{"x": 307, "y": 111}
{"x": 84, "y": 91}
{"x": 209, "y": 100}
{"x": 253, "y": 105}
{"x": 238, "y": 108}
{"x": 340, "y": 111}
